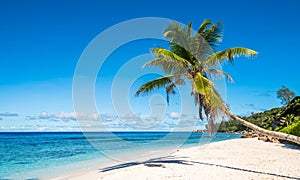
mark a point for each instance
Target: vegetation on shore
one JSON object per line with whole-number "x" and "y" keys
{"x": 284, "y": 119}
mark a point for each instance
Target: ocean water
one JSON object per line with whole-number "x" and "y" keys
{"x": 39, "y": 155}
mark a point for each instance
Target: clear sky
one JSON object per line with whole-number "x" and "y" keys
{"x": 42, "y": 41}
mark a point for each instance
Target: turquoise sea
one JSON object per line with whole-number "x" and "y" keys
{"x": 42, "y": 155}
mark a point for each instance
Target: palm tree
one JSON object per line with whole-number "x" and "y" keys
{"x": 191, "y": 57}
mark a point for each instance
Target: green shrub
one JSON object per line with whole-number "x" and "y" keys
{"x": 292, "y": 129}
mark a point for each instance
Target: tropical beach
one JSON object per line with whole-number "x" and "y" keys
{"x": 158, "y": 90}
{"x": 68, "y": 152}
{"x": 231, "y": 159}
{"x": 221, "y": 157}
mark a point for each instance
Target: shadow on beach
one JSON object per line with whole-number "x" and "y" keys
{"x": 288, "y": 145}
{"x": 160, "y": 162}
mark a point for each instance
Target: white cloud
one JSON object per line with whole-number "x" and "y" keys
{"x": 87, "y": 116}
{"x": 44, "y": 115}
{"x": 107, "y": 117}
{"x": 129, "y": 117}
{"x": 138, "y": 122}
{"x": 174, "y": 115}
{"x": 76, "y": 116}
{"x": 31, "y": 117}
{"x": 64, "y": 116}
{"x": 8, "y": 114}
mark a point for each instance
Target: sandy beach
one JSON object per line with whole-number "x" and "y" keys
{"x": 231, "y": 159}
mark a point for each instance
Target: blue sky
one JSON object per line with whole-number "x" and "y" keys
{"x": 42, "y": 41}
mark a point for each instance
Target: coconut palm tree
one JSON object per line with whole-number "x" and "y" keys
{"x": 192, "y": 58}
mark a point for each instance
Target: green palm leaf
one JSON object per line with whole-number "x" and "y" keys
{"x": 165, "y": 81}
{"x": 175, "y": 34}
{"x": 228, "y": 54}
{"x": 216, "y": 101}
{"x": 212, "y": 100}
{"x": 202, "y": 84}
{"x": 184, "y": 53}
{"x": 203, "y": 26}
{"x": 216, "y": 72}
{"x": 168, "y": 61}
{"x": 213, "y": 34}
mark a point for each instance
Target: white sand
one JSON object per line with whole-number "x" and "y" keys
{"x": 232, "y": 159}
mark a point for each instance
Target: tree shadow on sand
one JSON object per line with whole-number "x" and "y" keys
{"x": 160, "y": 162}
{"x": 289, "y": 145}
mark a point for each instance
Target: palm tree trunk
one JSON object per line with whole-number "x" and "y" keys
{"x": 275, "y": 134}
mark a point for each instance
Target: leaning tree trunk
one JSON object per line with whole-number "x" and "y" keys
{"x": 279, "y": 135}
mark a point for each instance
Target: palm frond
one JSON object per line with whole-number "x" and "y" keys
{"x": 229, "y": 54}
{"x": 207, "y": 38}
{"x": 199, "y": 48}
{"x": 175, "y": 34}
{"x": 161, "y": 82}
{"x": 213, "y": 35}
{"x": 203, "y": 26}
{"x": 187, "y": 54}
{"x": 168, "y": 61}
{"x": 202, "y": 85}
{"x": 216, "y": 101}
{"x": 166, "y": 53}
{"x": 170, "y": 90}
{"x": 189, "y": 30}
{"x": 216, "y": 72}
{"x": 207, "y": 97}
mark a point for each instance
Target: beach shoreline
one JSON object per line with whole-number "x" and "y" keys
{"x": 51, "y": 155}
{"x": 245, "y": 158}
